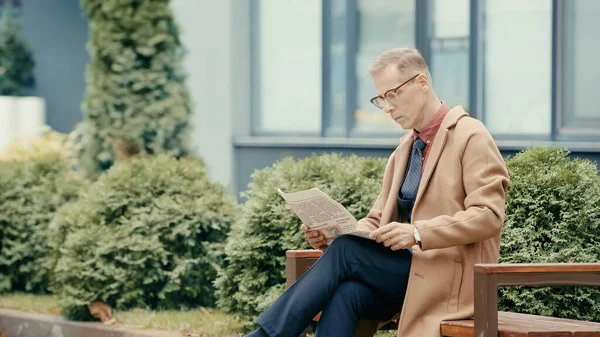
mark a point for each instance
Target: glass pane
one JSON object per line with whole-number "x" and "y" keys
{"x": 581, "y": 74}
{"x": 289, "y": 66}
{"x": 449, "y": 65}
{"x": 517, "y": 66}
{"x": 382, "y": 25}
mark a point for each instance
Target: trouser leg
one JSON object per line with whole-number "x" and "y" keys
{"x": 348, "y": 258}
{"x": 352, "y": 301}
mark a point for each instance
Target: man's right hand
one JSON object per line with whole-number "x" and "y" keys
{"x": 315, "y": 238}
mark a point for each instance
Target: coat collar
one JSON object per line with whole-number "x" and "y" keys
{"x": 402, "y": 154}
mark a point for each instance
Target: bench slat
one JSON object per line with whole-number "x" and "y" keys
{"x": 503, "y": 268}
{"x": 513, "y": 324}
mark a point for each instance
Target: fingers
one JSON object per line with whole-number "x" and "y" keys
{"x": 315, "y": 238}
{"x": 379, "y": 231}
{"x": 317, "y": 243}
{"x": 392, "y": 240}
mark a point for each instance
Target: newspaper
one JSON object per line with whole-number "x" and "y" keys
{"x": 318, "y": 211}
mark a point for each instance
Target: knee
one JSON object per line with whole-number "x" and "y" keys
{"x": 344, "y": 241}
{"x": 351, "y": 294}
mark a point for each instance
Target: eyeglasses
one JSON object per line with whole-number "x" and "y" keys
{"x": 389, "y": 95}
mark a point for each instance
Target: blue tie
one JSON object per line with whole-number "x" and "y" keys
{"x": 410, "y": 186}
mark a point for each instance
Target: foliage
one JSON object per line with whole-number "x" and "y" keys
{"x": 552, "y": 216}
{"x": 16, "y": 56}
{"x": 147, "y": 234}
{"x": 135, "y": 92}
{"x": 31, "y": 191}
{"x": 255, "y": 253}
{"x": 32, "y": 146}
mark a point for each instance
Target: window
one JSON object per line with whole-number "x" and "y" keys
{"x": 287, "y": 66}
{"x": 382, "y": 25}
{"x": 580, "y": 80}
{"x": 449, "y": 45}
{"x": 517, "y": 66}
{"x": 526, "y": 68}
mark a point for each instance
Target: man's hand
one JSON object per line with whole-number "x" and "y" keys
{"x": 395, "y": 235}
{"x": 315, "y": 238}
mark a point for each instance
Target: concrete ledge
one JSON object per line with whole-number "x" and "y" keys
{"x": 24, "y": 324}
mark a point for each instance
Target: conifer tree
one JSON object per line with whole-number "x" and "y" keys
{"x": 16, "y": 56}
{"x": 136, "y": 100}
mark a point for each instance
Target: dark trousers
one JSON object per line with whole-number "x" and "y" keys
{"x": 355, "y": 279}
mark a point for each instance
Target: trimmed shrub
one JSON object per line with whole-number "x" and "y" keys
{"x": 135, "y": 91}
{"x": 255, "y": 253}
{"x": 147, "y": 234}
{"x": 31, "y": 191}
{"x": 553, "y": 215}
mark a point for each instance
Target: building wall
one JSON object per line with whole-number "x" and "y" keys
{"x": 251, "y": 157}
{"x": 206, "y": 28}
{"x": 58, "y": 31}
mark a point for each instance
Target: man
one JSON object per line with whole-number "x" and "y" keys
{"x": 440, "y": 211}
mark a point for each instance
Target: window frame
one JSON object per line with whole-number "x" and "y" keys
{"x": 559, "y": 133}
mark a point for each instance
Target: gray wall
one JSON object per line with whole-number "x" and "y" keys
{"x": 58, "y": 32}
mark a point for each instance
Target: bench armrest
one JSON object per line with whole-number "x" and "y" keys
{"x": 488, "y": 277}
{"x": 297, "y": 262}
{"x": 306, "y": 253}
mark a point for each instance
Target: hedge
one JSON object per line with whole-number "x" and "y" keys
{"x": 149, "y": 234}
{"x": 31, "y": 191}
{"x": 552, "y": 216}
{"x": 255, "y": 253}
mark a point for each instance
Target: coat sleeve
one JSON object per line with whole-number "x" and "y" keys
{"x": 373, "y": 220}
{"x": 485, "y": 180}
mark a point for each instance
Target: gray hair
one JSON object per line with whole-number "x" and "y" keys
{"x": 409, "y": 61}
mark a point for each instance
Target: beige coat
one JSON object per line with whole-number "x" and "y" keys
{"x": 459, "y": 213}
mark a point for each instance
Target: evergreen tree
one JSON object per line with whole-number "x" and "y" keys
{"x": 136, "y": 100}
{"x": 16, "y": 57}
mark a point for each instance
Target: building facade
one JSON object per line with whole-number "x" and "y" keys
{"x": 278, "y": 78}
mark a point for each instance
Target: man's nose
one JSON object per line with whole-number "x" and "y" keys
{"x": 388, "y": 107}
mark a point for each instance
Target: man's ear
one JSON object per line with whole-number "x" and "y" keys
{"x": 423, "y": 82}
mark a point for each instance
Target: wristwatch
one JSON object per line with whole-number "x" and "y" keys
{"x": 417, "y": 236}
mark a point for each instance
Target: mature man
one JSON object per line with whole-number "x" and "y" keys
{"x": 440, "y": 211}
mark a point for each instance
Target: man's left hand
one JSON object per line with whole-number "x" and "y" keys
{"x": 395, "y": 235}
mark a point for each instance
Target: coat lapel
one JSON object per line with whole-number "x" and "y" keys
{"x": 432, "y": 160}
{"x": 436, "y": 149}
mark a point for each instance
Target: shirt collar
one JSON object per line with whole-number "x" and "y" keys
{"x": 430, "y": 130}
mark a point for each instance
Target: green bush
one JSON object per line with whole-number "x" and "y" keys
{"x": 552, "y": 215}
{"x": 147, "y": 234}
{"x": 135, "y": 90}
{"x": 16, "y": 56}
{"x": 31, "y": 191}
{"x": 255, "y": 253}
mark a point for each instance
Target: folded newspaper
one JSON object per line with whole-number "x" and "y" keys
{"x": 318, "y": 211}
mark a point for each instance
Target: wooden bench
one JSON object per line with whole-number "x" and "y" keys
{"x": 488, "y": 277}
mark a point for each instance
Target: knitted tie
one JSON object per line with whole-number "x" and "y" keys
{"x": 410, "y": 186}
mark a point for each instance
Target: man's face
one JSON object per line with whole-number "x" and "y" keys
{"x": 405, "y": 107}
